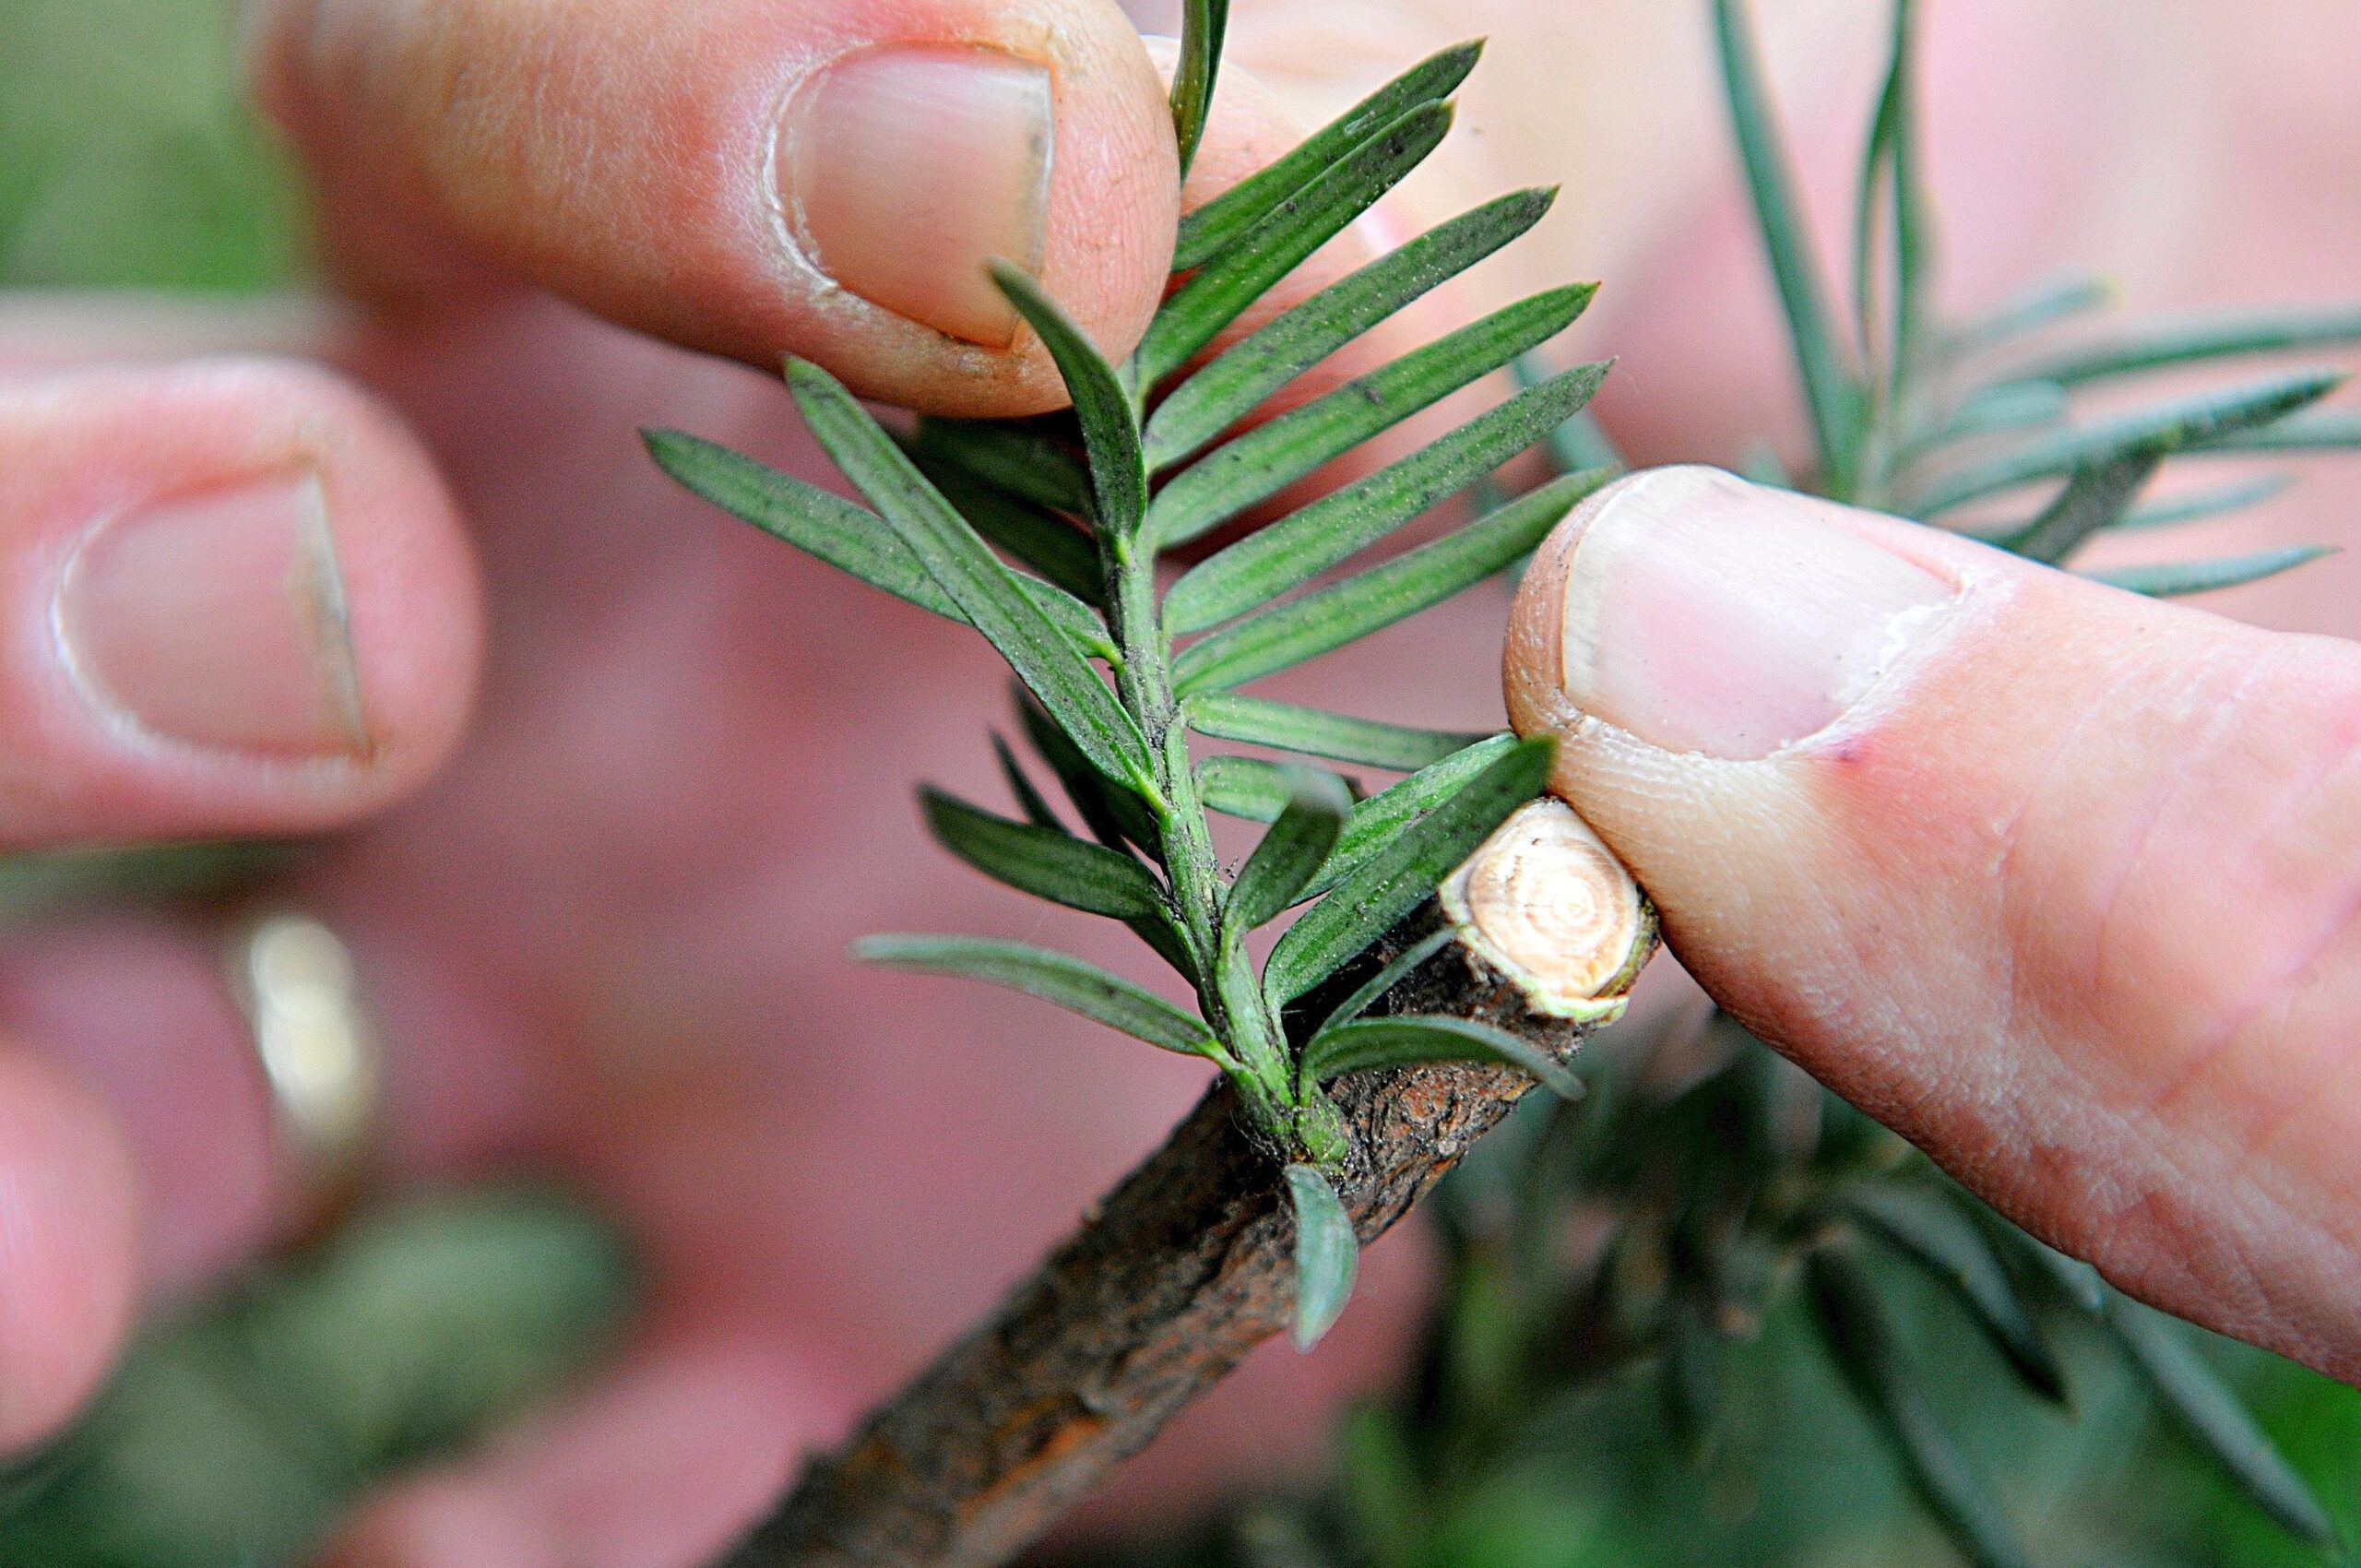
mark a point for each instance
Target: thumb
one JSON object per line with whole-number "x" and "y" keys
{"x": 750, "y": 178}
{"x": 2060, "y": 882}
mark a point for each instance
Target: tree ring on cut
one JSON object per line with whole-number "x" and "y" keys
{"x": 1548, "y": 904}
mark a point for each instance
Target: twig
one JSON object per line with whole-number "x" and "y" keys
{"x": 1187, "y": 1265}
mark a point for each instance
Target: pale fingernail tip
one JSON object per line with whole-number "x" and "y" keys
{"x": 903, "y": 169}
{"x": 1704, "y": 614}
{"x": 217, "y": 619}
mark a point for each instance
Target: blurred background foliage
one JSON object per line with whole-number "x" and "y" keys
{"x": 128, "y": 157}
{"x": 1523, "y": 1439}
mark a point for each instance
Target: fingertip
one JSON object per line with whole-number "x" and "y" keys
{"x": 756, "y": 179}
{"x": 68, "y": 1247}
{"x": 239, "y": 601}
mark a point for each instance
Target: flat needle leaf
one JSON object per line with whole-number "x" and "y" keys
{"x": 1396, "y": 879}
{"x": 1293, "y": 550}
{"x": 1238, "y": 383}
{"x": 847, "y": 536}
{"x": 1327, "y": 1254}
{"x": 1307, "y": 220}
{"x": 1058, "y": 978}
{"x": 1109, "y": 431}
{"x": 1328, "y": 618}
{"x": 1043, "y": 861}
{"x": 1367, "y": 1045}
{"x": 1284, "y": 727}
{"x": 985, "y": 590}
{"x": 1295, "y": 848}
{"x": 1218, "y": 224}
{"x": 1203, "y": 23}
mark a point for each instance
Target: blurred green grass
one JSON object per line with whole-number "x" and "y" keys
{"x": 127, "y": 157}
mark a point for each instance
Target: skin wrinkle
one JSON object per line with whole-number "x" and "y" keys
{"x": 2009, "y": 838}
{"x": 2346, "y": 914}
{"x": 2191, "y": 770}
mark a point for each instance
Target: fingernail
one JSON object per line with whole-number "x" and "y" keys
{"x": 1705, "y": 615}
{"x": 904, "y": 169}
{"x": 219, "y": 620}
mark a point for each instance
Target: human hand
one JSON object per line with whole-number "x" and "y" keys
{"x": 610, "y": 935}
{"x": 609, "y": 938}
{"x": 2062, "y": 883}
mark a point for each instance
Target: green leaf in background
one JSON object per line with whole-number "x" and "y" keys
{"x": 1892, "y": 210}
{"x": 1221, "y": 222}
{"x": 2215, "y": 1419}
{"x": 1010, "y": 457}
{"x": 1994, "y": 410}
{"x": 1932, "y": 1231}
{"x": 1327, "y": 1256}
{"x": 236, "y": 1433}
{"x": 1247, "y": 374}
{"x": 1192, "y": 78}
{"x": 40, "y": 885}
{"x": 2099, "y": 496}
{"x": 1043, "y": 861}
{"x": 130, "y": 158}
{"x": 1328, "y": 618}
{"x": 1028, "y": 800}
{"x": 2315, "y": 430}
{"x": 1244, "y": 787}
{"x": 1831, "y": 391}
{"x": 1866, "y": 1350}
{"x": 2162, "y": 345}
{"x": 1314, "y": 732}
{"x": 849, "y": 538}
{"x": 2215, "y": 501}
{"x": 1293, "y": 850}
{"x": 1058, "y": 978}
{"x": 2174, "y": 579}
{"x": 1394, "y": 880}
{"x": 2042, "y": 306}
{"x": 1696, "y": 1387}
{"x": 1260, "y": 463}
{"x": 1118, "y": 472}
{"x": 986, "y": 592}
{"x": 1367, "y": 1045}
{"x": 1244, "y": 272}
{"x": 2208, "y": 421}
{"x": 1287, "y": 553}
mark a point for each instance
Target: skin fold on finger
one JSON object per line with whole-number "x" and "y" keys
{"x": 695, "y": 172}
{"x": 2067, "y": 894}
{"x": 234, "y": 597}
{"x": 69, "y": 1235}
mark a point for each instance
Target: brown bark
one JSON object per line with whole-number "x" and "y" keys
{"x": 1184, "y": 1268}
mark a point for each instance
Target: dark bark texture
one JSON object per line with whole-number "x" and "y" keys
{"x": 1174, "y": 1278}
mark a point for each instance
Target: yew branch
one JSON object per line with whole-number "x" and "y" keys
{"x": 1187, "y": 1265}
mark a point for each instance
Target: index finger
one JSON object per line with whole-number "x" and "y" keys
{"x": 747, "y": 178}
